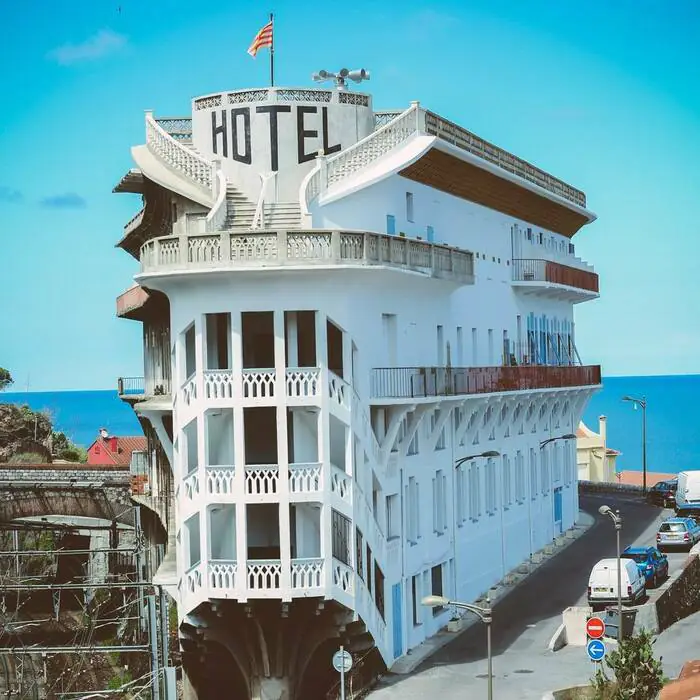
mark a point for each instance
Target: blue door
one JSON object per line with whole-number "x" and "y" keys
{"x": 557, "y": 510}
{"x": 397, "y": 618}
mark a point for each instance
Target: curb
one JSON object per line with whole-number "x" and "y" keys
{"x": 408, "y": 663}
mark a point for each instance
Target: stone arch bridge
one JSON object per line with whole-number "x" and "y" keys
{"x": 65, "y": 489}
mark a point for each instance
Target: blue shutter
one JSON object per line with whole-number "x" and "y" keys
{"x": 391, "y": 224}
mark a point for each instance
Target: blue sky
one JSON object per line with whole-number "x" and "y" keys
{"x": 603, "y": 95}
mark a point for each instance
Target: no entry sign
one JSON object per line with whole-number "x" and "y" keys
{"x": 595, "y": 628}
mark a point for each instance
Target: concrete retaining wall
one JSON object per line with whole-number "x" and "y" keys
{"x": 682, "y": 597}
{"x": 607, "y": 487}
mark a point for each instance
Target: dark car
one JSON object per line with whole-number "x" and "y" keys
{"x": 663, "y": 493}
{"x": 651, "y": 563}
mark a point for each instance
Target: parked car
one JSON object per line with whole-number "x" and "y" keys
{"x": 651, "y": 563}
{"x": 688, "y": 493}
{"x": 663, "y": 493}
{"x": 602, "y": 583}
{"x": 678, "y": 532}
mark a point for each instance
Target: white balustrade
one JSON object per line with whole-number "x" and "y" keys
{"x": 343, "y": 577}
{"x": 259, "y": 383}
{"x": 303, "y": 382}
{"x": 218, "y": 384}
{"x": 222, "y": 575}
{"x": 307, "y": 573}
{"x": 220, "y": 480}
{"x": 189, "y": 390}
{"x": 341, "y": 483}
{"x": 305, "y": 478}
{"x": 339, "y": 390}
{"x": 261, "y": 479}
{"x": 190, "y": 484}
{"x": 178, "y": 157}
{"x": 193, "y": 578}
{"x": 264, "y": 574}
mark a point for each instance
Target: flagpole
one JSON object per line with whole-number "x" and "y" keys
{"x": 272, "y": 52}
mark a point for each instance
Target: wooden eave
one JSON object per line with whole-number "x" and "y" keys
{"x": 467, "y": 181}
{"x": 131, "y": 182}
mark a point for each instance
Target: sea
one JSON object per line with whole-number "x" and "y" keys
{"x": 673, "y": 418}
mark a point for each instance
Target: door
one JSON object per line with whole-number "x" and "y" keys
{"x": 557, "y": 510}
{"x": 397, "y": 619}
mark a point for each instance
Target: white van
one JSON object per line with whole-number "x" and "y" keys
{"x": 688, "y": 493}
{"x": 602, "y": 583}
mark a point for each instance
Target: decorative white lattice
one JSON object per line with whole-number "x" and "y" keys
{"x": 343, "y": 577}
{"x": 190, "y": 485}
{"x": 222, "y": 575}
{"x": 352, "y": 246}
{"x": 207, "y": 102}
{"x": 189, "y": 390}
{"x": 237, "y": 98}
{"x": 303, "y": 382}
{"x": 168, "y": 251}
{"x": 193, "y": 578}
{"x": 341, "y": 484}
{"x": 305, "y": 478}
{"x": 258, "y": 383}
{"x": 261, "y": 479}
{"x": 250, "y": 247}
{"x": 339, "y": 390}
{"x": 203, "y": 249}
{"x": 306, "y": 245}
{"x": 304, "y": 95}
{"x": 264, "y": 575}
{"x": 218, "y": 384}
{"x": 307, "y": 573}
{"x": 220, "y": 480}
{"x": 352, "y": 98}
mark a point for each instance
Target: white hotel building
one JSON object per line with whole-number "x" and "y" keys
{"x": 338, "y": 305}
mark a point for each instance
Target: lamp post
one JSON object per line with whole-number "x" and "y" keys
{"x": 488, "y": 453}
{"x": 568, "y": 436}
{"x": 484, "y": 614}
{"x": 642, "y": 403}
{"x": 617, "y": 521}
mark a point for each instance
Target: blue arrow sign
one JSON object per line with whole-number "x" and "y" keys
{"x": 595, "y": 649}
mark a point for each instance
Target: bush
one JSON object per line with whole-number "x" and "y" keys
{"x": 638, "y": 675}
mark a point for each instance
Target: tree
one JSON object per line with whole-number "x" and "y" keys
{"x": 5, "y": 379}
{"x": 638, "y": 675}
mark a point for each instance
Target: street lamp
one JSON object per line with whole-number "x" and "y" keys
{"x": 484, "y": 614}
{"x": 643, "y": 404}
{"x": 617, "y": 521}
{"x": 568, "y": 436}
{"x": 488, "y": 453}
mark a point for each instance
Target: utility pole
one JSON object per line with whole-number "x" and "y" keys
{"x": 153, "y": 640}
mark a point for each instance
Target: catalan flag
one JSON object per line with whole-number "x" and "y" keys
{"x": 262, "y": 39}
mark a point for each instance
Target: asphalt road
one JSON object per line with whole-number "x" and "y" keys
{"x": 525, "y": 620}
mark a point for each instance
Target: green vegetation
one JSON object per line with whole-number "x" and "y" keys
{"x": 5, "y": 379}
{"x": 638, "y": 675}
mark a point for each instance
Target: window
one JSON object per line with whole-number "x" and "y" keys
{"x": 556, "y": 465}
{"x": 490, "y": 488}
{"x": 359, "y": 554}
{"x": 507, "y": 493}
{"x": 439, "y": 504}
{"x": 475, "y": 354}
{"x": 414, "y": 445}
{"x": 533, "y": 474}
{"x": 412, "y": 519}
{"x": 474, "y": 491}
{"x": 461, "y": 489}
{"x": 440, "y": 346}
{"x": 490, "y": 341}
{"x": 460, "y": 347}
{"x": 393, "y": 516}
{"x": 436, "y": 581}
{"x": 434, "y": 419}
{"x": 544, "y": 471}
{"x": 409, "y": 206}
{"x": 519, "y": 477}
{"x": 391, "y": 224}
{"x": 416, "y": 596}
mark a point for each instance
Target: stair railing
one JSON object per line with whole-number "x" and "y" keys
{"x": 216, "y": 218}
{"x": 259, "y": 216}
{"x": 178, "y": 157}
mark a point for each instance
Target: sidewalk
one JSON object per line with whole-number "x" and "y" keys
{"x": 408, "y": 663}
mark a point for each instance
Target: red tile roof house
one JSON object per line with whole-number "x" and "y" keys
{"x": 113, "y": 449}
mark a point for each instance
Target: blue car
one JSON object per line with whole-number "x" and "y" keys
{"x": 651, "y": 563}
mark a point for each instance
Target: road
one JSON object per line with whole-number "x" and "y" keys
{"x": 525, "y": 620}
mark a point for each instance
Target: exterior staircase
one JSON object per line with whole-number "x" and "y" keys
{"x": 282, "y": 215}
{"x": 239, "y": 210}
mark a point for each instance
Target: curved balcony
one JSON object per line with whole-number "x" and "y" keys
{"x": 130, "y": 302}
{"x": 233, "y": 250}
{"x": 552, "y": 279}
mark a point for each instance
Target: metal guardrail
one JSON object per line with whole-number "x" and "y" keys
{"x": 536, "y": 270}
{"x": 131, "y": 386}
{"x": 415, "y": 382}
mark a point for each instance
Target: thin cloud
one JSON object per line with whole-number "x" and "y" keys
{"x": 7, "y": 194}
{"x": 70, "y": 200}
{"x": 99, "y": 45}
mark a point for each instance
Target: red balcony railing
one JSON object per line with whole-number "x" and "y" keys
{"x": 416, "y": 382}
{"x": 132, "y": 299}
{"x": 530, "y": 270}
